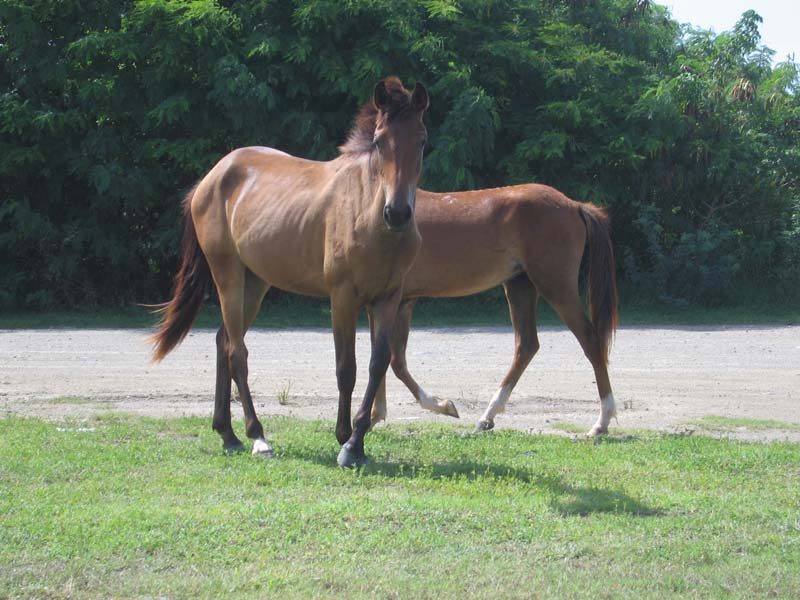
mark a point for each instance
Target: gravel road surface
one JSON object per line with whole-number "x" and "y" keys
{"x": 663, "y": 377}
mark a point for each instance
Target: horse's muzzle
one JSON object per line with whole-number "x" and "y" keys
{"x": 397, "y": 219}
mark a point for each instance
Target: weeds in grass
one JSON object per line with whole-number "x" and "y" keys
{"x": 283, "y": 395}
{"x": 120, "y": 506}
{"x": 721, "y": 423}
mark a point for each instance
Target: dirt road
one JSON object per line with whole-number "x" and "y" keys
{"x": 663, "y": 378}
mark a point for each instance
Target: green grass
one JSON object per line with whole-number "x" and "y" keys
{"x": 118, "y": 506}
{"x": 720, "y": 423}
{"x": 70, "y": 400}
{"x": 283, "y": 395}
{"x": 568, "y": 427}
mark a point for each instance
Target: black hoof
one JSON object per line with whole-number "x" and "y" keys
{"x": 232, "y": 448}
{"x": 483, "y": 426}
{"x": 350, "y": 459}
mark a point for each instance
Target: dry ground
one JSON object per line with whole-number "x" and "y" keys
{"x": 664, "y": 377}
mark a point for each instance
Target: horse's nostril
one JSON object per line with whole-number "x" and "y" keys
{"x": 397, "y": 219}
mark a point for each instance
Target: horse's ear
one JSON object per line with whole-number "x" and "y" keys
{"x": 380, "y": 97}
{"x": 419, "y": 98}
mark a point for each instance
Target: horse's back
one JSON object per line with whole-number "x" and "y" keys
{"x": 475, "y": 240}
{"x": 266, "y": 206}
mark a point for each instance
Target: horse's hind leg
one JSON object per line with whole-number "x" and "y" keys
{"x": 221, "y": 422}
{"x": 255, "y": 289}
{"x": 522, "y": 298}
{"x": 569, "y": 307}
{"x": 238, "y": 309}
{"x": 399, "y": 341}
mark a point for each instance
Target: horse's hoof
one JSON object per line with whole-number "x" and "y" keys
{"x": 449, "y": 408}
{"x": 263, "y": 449}
{"x": 350, "y": 459}
{"x": 236, "y": 447}
{"x": 597, "y": 430}
{"x": 483, "y": 426}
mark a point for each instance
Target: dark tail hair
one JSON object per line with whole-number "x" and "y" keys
{"x": 602, "y": 276}
{"x": 191, "y": 282}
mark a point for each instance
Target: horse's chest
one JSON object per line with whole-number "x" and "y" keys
{"x": 371, "y": 263}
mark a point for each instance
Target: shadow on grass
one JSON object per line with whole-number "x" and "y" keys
{"x": 565, "y": 498}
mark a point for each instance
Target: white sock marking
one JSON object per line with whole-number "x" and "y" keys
{"x": 426, "y": 401}
{"x": 608, "y": 409}
{"x": 497, "y": 404}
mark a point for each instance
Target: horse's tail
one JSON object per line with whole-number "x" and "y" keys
{"x": 191, "y": 282}
{"x": 602, "y": 294}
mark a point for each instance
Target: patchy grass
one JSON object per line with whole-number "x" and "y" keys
{"x": 117, "y": 506}
{"x": 720, "y": 423}
{"x": 568, "y": 427}
{"x": 69, "y": 400}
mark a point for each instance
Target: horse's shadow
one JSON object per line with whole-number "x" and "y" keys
{"x": 564, "y": 497}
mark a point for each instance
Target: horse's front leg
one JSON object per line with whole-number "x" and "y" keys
{"x": 383, "y": 314}
{"x": 379, "y": 405}
{"x": 344, "y": 315}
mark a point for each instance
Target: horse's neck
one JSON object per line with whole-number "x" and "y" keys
{"x": 357, "y": 186}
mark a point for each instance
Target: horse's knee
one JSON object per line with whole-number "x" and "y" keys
{"x": 526, "y": 350}
{"x": 593, "y": 351}
{"x": 237, "y": 363}
{"x": 531, "y": 347}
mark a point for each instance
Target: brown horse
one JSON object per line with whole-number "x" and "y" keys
{"x": 531, "y": 239}
{"x": 343, "y": 229}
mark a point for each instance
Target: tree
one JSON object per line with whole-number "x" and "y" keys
{"x": 110, "y": 110}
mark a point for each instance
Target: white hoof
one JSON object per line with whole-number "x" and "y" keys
{"x": 598, "y": 429}
{"x": 262, "y": 448}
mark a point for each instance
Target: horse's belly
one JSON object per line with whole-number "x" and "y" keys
{"x": 453, "y": 278}
{"x": 306, "y": 282}
{"x": 291, "y": 267}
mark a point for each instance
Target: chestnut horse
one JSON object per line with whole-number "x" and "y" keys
{"x": 343, "y": 229}
{"x": 531, "y": 239}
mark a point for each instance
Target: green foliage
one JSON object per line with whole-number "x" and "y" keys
{"x": 721, "y": 182}
{"x": 110, "y": 110}
{"x": 692, "y": 267}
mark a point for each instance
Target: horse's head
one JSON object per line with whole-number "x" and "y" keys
{"x": 399, "y": 140}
